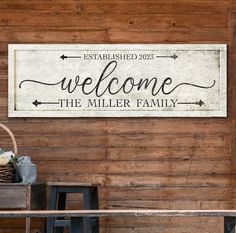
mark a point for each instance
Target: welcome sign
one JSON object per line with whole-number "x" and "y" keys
{"x": 117, "y": 80}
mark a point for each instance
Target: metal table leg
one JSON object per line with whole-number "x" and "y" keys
{"x": 76, "y": 225}
{"x": 95, "y": 206}
{"x": 229, "y": 225}
{"x": 61, "y": 206}
{"x": 52, "y": 206}
{"x": 87, "y": 205}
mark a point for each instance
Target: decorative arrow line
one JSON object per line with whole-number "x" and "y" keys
{"x": 174, "y": 56}
{"x": 200, "y": 103}
{"x": 63, "y": 57}
{"x": 36, "y": 103}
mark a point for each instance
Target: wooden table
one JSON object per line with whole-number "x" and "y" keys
{"x": 24, "y": 197}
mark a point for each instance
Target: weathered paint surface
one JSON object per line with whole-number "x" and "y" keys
{"x": 117, "y": 80}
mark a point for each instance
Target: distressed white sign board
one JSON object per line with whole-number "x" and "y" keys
{"x": 119, "y": 80}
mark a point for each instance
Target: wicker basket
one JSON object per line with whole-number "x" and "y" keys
{"x": 7, "y": 172}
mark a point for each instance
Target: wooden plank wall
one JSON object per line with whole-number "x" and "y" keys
{"x": 167, "y": 163}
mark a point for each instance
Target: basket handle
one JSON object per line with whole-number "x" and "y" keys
{"x": 12, "y": 137}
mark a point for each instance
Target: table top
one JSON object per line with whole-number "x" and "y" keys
{"x": 72, "y": 184}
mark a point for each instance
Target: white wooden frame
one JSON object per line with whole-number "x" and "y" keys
{"x": 221, "y": 101}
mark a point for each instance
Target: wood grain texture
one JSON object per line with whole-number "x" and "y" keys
{"x": 168, "y": 163}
